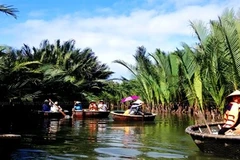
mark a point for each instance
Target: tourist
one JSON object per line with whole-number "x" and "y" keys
{"x": 45, "y": 106}
{"x": 102, "y": 106}
{"x": 136, "y": 108}
{"x": 92, "y": 106}
{"x": 55, "y": 107}
{"x": 77, "y": 106}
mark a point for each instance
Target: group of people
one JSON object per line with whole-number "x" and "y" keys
{"x": 49, "y": 106}
{"x": 93, "y": 106}
{"x": 101, "y": 106}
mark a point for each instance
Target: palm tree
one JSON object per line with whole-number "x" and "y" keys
{"x": 69, "y": 70}
{"x": 218, "y": 54}
{"x": 9, "y": 10}
{"x": 17, "y": 76}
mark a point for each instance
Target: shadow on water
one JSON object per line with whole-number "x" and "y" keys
{"x": 164, "y": 138}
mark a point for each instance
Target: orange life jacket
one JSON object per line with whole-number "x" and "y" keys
{"x": 231, "y": 116}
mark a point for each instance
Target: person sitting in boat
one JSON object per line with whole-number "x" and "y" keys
{"x": 55, "y": 107}
{"x": 93, "y": 106}
{"x": 231, "y": 115}
{"x": 136, "y": 108}
{"x": 128, "y": 110}
{"x": 77, "y": 106}
{"x": 102, "y": 106}
{"x": 45, "y": 106}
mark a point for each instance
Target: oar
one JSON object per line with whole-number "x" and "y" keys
{"x": 59, "y": 109}
{"x": 142, "y": 116}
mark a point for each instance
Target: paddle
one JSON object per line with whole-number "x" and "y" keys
{"x": 59, "y": 109}
{"x": 142, "y": 115}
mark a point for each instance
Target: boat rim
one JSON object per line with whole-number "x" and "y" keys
{"x": 189, "y": 130}
{"x": 128, "y": 115}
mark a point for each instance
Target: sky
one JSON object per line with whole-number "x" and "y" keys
{"x": 113, "y": 29}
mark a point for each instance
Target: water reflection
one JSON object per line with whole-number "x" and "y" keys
{"x": 46, "y": 132}
{"x": 165, "y": 138}
{"x": 51, "y": 128}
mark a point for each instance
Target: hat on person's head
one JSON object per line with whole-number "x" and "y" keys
{"x": 235, "y": 93}
{"x": 138, "y": 102}
{"x": 101, "y": 100}
{"x": 92, "y": 101}
{"x": 78, "y": 102}
{"x": 56, "y": 102}
{"x": 46, "y": 101}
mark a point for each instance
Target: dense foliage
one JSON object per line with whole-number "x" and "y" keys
{"x": 56, "y": 71}
{"x": 198, "y": 76}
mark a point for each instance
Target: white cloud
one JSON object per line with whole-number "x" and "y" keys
{"x": 117, "y": 37}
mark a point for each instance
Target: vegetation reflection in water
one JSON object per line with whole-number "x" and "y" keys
{"x": 165, "y": 138}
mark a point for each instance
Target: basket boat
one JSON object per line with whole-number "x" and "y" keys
{"x": 212, "y": 143}
{"x": 119, "y": 116}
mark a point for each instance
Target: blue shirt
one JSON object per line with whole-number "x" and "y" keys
{"x": 78, "y": 107}
{"x": 45, "y": 107}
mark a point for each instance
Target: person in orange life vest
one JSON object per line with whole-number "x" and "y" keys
{"x": 92, "y": 106}
{"x": 231, "y": 115}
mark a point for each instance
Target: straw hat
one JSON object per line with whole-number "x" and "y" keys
{"x": 235, "y": 93}
{"x": 138, "y": 102}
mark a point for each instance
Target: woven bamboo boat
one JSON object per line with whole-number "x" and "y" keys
{"x": 48, "y": 114}
{"x": 90, "y": 114}
{"x": 221, "y": 145}
{"x": 119, "y": 116}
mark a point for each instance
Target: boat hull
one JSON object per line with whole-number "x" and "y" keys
{"x": 119, "y": 116}
{"x": 90, "y": 114}
{"x": 47, "y": 114}
{"x": 221, "y": 145}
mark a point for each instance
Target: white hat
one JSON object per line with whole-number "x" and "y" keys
{"x": 138, "y": 102}
{"x": 235, "y": 93}
{"x": 56, "y": 102}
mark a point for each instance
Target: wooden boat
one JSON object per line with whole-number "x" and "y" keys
{"x": 90, "y": 114}
{"x": 48, "y": 114}
{"x": 221, "y": 145}
{"x": 77, "y": 114}
{"x": 119, "y": 116}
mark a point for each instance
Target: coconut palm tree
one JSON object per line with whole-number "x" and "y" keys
{"x": 17, "y": 76}
{"x": 9, "y": 10}
{"x": 70, "y": 70}
{"x": 141, "y": 71}
{"x": 218, "y": 51}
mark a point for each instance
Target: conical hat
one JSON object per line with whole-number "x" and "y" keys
{"x": 138, "y": 102}
{"x": 235, "y": 93}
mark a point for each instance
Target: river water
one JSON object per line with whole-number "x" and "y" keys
{"x": 104, "y": 139}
